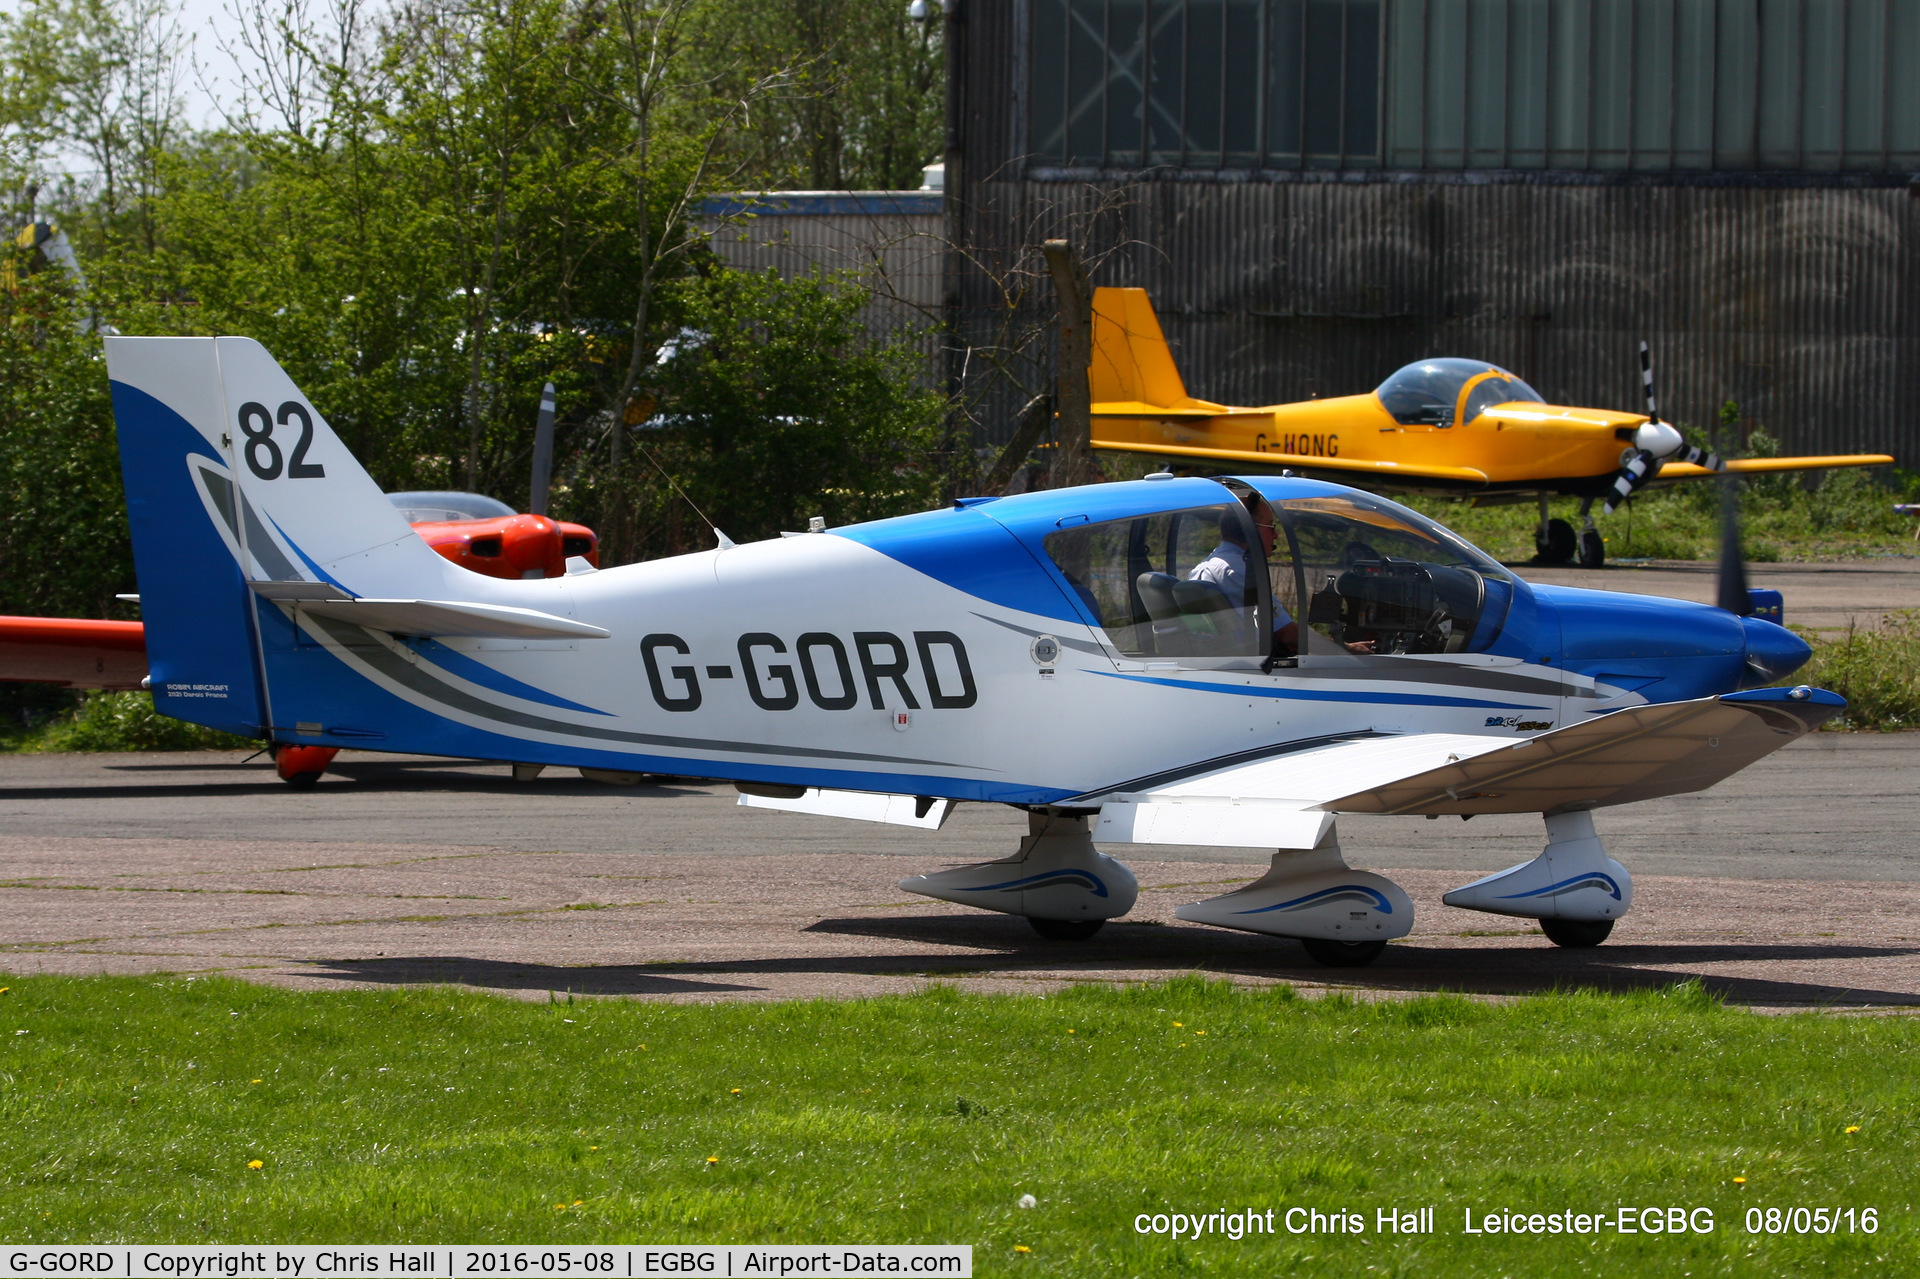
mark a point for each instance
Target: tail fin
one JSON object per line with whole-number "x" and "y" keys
{"x": 232, "y": 477}
{"x": 1131, "y": 362}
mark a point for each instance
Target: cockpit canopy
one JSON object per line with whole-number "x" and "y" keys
{"x": 1329, "y": 571}
{"x": 1428, "y": 393}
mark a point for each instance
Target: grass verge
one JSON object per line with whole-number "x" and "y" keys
{"x": 135, "y": 1109}
{"x": 1847, "y": 516}
{"x": 1877, "y": 671}
{"x": 115, "y": 722}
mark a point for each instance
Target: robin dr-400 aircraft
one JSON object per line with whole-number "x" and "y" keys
{"x": 1048, "y": 651}
{"x": 1463, "y": 427}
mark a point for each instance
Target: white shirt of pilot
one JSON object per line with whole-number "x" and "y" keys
{"x": 1226, "y": 567}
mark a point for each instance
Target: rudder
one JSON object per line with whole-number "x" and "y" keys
{"x": 1131, "y": 361}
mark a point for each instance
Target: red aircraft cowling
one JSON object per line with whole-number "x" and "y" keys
{"x": 514, "y": 546}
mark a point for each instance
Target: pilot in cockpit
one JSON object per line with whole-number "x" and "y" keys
{"x": 1226, "y": 567}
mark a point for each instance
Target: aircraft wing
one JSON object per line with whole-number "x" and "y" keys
{"x": 1340, "y": 467}
{"x": 1763, "y": 465}
{"x": 77, "y": 652}
{"x": 1288, "y": 800}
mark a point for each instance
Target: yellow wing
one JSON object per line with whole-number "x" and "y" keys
{"x": 1762, "y": 465}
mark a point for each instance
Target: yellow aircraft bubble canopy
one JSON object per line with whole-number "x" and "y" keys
{"x": 1441, "y": 425}
{"x": 1441, "y": 392}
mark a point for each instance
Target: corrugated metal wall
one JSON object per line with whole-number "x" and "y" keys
{"x": 1793, "y": 299}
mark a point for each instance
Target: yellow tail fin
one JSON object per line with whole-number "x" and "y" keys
{"x": 1131, "y": 362}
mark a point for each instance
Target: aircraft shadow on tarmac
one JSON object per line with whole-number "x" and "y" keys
{"x": 348, "y": 780}
{"x": 1005, "y": 947}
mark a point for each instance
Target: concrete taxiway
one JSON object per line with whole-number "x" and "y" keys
{"x": 1794, "y": 884}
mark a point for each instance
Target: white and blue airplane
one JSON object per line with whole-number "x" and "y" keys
{"x": 1049, "y": 651}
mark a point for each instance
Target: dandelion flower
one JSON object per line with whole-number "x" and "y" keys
{"x": 1028, "y": 1201}
{"x": 1853, "y": 1128}
{"x": 712, "y": 1159}
{"x": 5, "y": 989}
{"x": 1199, "y": 1032}
{"x": 1020, "y": 1247}
{"x": 1739, "y": 1181}
{"x": 593, "y": 1147}
{"x": 1069, "y": 1030}
{"x": 559, "y": 1207}
{"x": 256, "y": 1163}
{"x": 736, "y": 1092}
{"x": 578, "y": 1202}
{"x": 1180, "y": 1025}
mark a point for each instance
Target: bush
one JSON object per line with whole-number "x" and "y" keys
{"x": 1877, "y": 671}
{"x": 126, "y": 722}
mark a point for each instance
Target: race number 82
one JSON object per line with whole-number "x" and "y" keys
{"x": 263, "y": 451}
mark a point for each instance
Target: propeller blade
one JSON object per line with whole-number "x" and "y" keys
{"x": 542, "y": 453}
{"x": 1702, "y": 457}
{"x": 1646, "y": 380}
{"x": 1733, "y": 561}
{"x": 1631, "y": 477}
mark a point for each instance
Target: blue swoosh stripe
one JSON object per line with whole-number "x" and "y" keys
{"x": 474, "y": 672}
{"x": 1567, "y": 885}
{"x": 1379, "y": 899}
{"x": 1304, "y": 695}
{"x": 1053, "y": 876}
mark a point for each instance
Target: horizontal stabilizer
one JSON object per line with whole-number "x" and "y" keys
{"x": 1643, "y": 752}
{"x": 446, "y": 617}
{"x": 923, "y": 812}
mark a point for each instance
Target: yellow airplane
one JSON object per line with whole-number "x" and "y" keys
{"x": 1452, "y": 426}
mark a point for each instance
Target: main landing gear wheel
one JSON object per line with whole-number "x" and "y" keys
{"x": 1343, "y": 954}
{"x": 1066, "y": 929}
{"x": 1557, "y": 544}
{"x": 1576, "y": 932}
{"x": 1593, "y": 551}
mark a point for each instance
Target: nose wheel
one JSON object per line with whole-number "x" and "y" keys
{"x": 1576, "y": 934}
{"x": 1593, "y": 551}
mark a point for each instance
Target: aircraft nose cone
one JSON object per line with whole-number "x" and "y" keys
{"x": 1657, "y": 438}
{"x": 1773, "y": 652}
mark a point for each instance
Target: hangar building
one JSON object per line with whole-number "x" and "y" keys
{"x": 1319, "y": 191}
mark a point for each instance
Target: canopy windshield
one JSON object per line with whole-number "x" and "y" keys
{"x": 1428, "y": 393}
{"x": 1380, "y": 578}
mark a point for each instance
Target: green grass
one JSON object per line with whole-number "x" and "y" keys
{"x": 1877, "y": 671}
{"x": 115, "y": 722}
{"x": 1849, "y": 515}
{"x": 131, "y": 1110}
